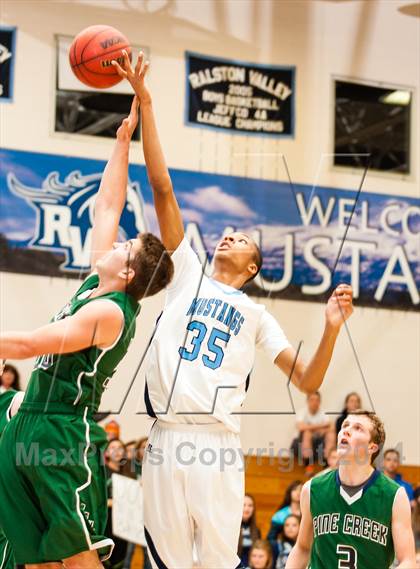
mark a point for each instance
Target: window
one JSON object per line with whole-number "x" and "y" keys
{"x": 372, "y": 124}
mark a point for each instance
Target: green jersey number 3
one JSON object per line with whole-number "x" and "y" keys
{"x": 348, "y": 557}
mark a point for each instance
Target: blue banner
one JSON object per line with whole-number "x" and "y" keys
{"x": 311, "y": 239}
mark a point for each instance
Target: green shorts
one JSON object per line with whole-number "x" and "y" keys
{"x": 7, "y": 560}
{"x": 53, "y": 496}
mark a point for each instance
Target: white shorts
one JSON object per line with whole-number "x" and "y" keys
{"x": 193, "y": 481}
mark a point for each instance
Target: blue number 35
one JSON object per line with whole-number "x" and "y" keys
{"x": 214, "y": 350}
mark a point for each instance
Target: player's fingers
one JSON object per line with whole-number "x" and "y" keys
{"x": 127, "y": 62}
{"x": 145, "y": 69}
{"x": 139, "y": 63}
{"x": 119, "y": 69}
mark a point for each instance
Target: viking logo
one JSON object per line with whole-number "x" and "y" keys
{"x": 64, "y": 215}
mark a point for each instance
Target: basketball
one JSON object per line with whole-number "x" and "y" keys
{"x": 91, "y": 54}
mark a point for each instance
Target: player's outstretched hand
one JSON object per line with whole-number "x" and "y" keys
{"x": 128, "y": 126}
{"x": 136, "y": 76}
{"x": 339, "y": 305}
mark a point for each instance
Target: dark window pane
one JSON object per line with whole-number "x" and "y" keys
{"x": 97, "y": 114}
{"x": 372, "y": 123}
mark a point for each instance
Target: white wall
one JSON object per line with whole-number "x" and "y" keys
{"x": 366, "y": 40}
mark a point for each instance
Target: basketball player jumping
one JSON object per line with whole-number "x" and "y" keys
{"x": 354, "y": 517}
{"x": 199, "y": 359}
{"x": 53, "y": 500}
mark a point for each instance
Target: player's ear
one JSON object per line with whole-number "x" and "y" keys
{"x": 374, "y": 447}
{"x": 252, "y": 268}
{"x": 127, "y": 274}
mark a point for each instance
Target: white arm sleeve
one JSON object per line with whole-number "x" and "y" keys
{"x": 270, "y": 336}
{"x": 188, "y": 269}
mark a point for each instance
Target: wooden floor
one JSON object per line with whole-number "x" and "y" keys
{"x": 267, "y": 479}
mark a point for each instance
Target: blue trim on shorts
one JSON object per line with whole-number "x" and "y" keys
{"x": 152, "y": 549}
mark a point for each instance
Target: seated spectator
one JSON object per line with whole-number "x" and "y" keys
{"x": 352, "y": 402}
{"x": 112, "y": 429}
{"x": 390, "y": 468}
{"x": 260, "y": 556}
{"x": 290, "y": 505}
{"x": 316, "y": 435}
{"x": 286, "y": 541}
{"x": 332, "y": 462}
{"x": 140, "y": 450}
{"x": 249, "y": 530}
{"x": 114, "y": 457}
{"x": 9, "y": 379}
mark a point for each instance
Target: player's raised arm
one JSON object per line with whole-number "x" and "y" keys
{"x": 112, "y": 193}
{"x": 402, "y": 533}
{"x": 308, "y": 378}
{"x": 299, "y": 556}
{"x": 166, "y": 205}
{"x": 96, "y": 324}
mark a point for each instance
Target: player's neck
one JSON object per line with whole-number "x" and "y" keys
{"x": 227, "y": 277}
{"x": 106, "y": 286}
{"x": 354, "y": 474}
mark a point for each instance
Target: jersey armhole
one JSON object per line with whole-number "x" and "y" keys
{"x": 118, "y": 338}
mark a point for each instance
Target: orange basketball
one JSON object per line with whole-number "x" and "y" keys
{"x": 91, "y": 54}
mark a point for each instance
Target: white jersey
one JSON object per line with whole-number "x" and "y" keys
{"x": 204, "y": 347}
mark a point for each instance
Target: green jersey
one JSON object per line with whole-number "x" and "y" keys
{"x": 79, "y": 378}
{"x": 6, "y": 399}
{"x": 352, "y": 532}
{"x": 7, "y": 560}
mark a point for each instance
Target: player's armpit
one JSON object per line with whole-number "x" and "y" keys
{"x": 98, "y": 323}
{"x": 402, "y": 533}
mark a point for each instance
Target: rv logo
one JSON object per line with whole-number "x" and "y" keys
{"x": 64, "y": 214}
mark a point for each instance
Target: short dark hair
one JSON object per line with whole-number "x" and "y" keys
{"x": 16, "y": 382}
{"x": 153, "y": 268}
{"x": 377, "y": 431}
{"x": 393, "y": 451}
{"x": 258, "y": 260}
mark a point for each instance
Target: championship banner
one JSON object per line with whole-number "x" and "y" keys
{"x": 239, "y": 97}
{"x": 311, "y": 238}
{"x": 7, "y": 60}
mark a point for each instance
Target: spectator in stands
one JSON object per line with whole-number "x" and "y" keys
{"x": 10, "y": 379}
{"x": 249, "y": 530}
{"x": 114, "y": 458}
{"x": 352, "y": 402}
{"x": 260, "y": 556}
{"x": 390, "y": 468}
{"x": 416, "y": 517}
{"x": 332, "y": 462}
{"x": 290, "y": 505}
{"x": 316, "y": 435}
{"x": 286, "y": 541}
{"x": 140, "y": 450}
{"x": 112, "y": 429}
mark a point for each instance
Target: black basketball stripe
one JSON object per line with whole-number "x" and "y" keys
{"x": 84, "y": 76}
{"x": 92, "y": 38}
{"x": 97, "y": 56}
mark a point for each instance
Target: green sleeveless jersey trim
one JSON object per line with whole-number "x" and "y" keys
{"x": 6, "y": 399}
{"x": 352, "y": 532}
{"x": 80, "y": 378}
